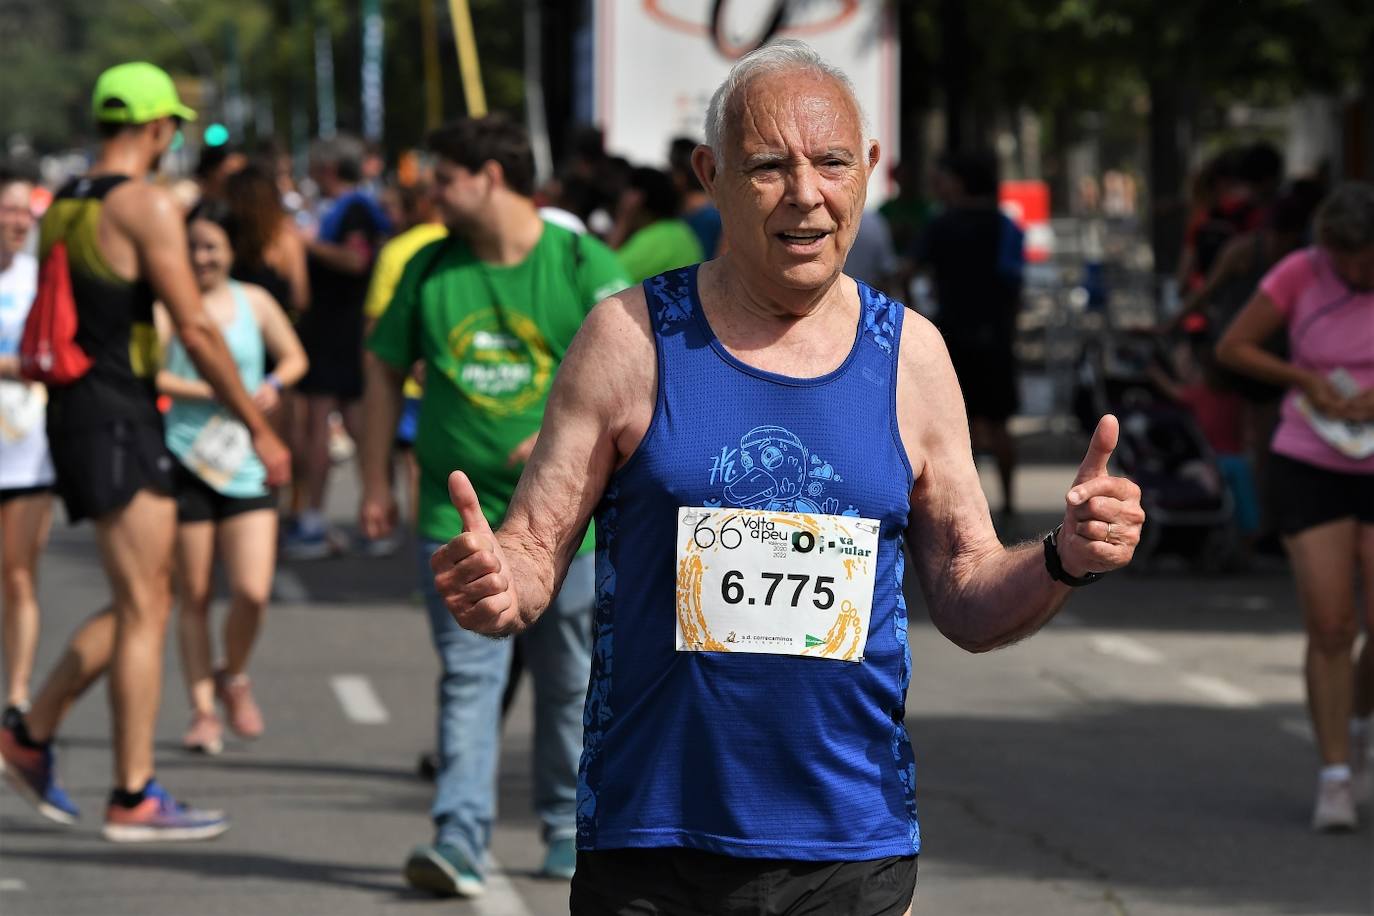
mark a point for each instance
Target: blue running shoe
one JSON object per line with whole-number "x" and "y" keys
{"x": 32, "y": 771}
{"x": 443, "y": 870}
{"x": 159, "y": 817}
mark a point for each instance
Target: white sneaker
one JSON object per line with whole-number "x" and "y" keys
{"x": 1335, "y": 809}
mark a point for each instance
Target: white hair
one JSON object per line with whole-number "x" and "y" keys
{"x": 778, "y": 56}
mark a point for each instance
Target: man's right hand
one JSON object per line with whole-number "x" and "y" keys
{"x": 274, "y": 455}
{"x": 377, "y": 515}
{"x": 470, "y": 571}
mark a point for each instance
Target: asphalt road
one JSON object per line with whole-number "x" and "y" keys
{"x": 1148, "y": 753}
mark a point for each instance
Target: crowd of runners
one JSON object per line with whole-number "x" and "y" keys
{"x": 650, "y": 432}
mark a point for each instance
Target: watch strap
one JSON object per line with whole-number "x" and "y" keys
{"x": 1056, "y": 567}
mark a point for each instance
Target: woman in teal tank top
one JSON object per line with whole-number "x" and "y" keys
{"x": 222, "y": 495}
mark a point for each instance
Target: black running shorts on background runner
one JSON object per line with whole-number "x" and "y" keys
{"x": 1305, "y": 496}
{"x": 21, "y": 492}
{"x": 688, "y": 882}
{"x": 197, "y": 501}
{"x": 100, "y": 467}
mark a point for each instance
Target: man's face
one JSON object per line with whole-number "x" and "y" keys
{"x": 459, "y": 194}
{"x": 16, "y": 219}
{"x": 794, "y": 177}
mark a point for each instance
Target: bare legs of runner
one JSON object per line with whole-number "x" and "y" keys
{"x": 24, "y": 524}
{"x": 126, "y": 638}
{"x": 1324, "y": 562}
{"x": 310, "y": 539}
{"x": 246, "y": 545}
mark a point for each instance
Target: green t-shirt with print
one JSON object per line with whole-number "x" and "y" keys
{"x": 491, "y": 338}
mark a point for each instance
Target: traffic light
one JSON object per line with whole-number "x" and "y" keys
{"x": 216, "y": 134}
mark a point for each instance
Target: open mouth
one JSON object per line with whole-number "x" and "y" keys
{"x": 803, "y": 239}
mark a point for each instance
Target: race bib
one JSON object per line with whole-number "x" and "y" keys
{"x": 779, "y": 583}
{"x": 1353, "y": 440}
{"x": 219, "y": 451}
{"x": 21, "y": 409}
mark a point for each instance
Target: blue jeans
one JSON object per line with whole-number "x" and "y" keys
{"x": 558, "y": 655}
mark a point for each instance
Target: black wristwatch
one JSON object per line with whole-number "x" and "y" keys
{"x": 1056, "y": 568}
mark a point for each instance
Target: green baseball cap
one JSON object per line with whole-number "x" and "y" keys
{"x": 136, "y": 93}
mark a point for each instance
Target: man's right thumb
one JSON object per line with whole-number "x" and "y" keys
{"x": 464, "y": 499}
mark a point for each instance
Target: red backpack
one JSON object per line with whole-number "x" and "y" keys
{"x": 48, "y": 351}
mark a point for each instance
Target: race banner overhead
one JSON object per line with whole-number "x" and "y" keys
{"x": 658, "y": 61}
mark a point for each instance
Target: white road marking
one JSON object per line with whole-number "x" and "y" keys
{"x": 12, "y": 884}
{"x": 1298, "y": 728}
{"x": 501, "y": 898}
{"x": 1221, "y": 691}
{"x": 1124, "y": 647}
{"x": 359, "y": 701}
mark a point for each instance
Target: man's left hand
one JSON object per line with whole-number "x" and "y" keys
{"x": 1102, "y": 516}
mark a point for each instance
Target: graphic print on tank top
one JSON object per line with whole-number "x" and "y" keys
{"x": 738, "y": 752}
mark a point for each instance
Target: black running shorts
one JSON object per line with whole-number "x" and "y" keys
{"x": 100, "y": 467}
{"x": 197, "y": 501}
{"x": 1305, "y": 496}
{"x": 687, "y": 882}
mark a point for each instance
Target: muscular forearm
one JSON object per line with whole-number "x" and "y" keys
{"x": 996, "y": 599}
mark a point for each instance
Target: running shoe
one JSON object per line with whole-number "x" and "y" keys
{"x": 205, "y": 736}
{"x": 159, "y": 817}
{"x": 242, "y": 711}
{"x": 1335, "y": 808}
{"x": 306, "y": 545}
{"x": 378, "y": 547}
{"x": 560, "y": 861}
{"x": 32, "y": 771}
{"x": 443, "y": 870}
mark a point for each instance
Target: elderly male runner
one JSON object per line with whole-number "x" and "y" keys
{"x": 126, "y": 245}
{"x": 758, "y": 437}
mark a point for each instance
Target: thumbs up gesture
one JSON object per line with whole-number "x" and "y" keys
{"x": 1102, "y": 515}
{"x": 470, "y": 571}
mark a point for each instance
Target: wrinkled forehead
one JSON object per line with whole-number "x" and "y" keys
{"x": 793, "y": 111}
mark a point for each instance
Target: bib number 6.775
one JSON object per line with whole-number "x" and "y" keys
{"x": 732, "y": 587}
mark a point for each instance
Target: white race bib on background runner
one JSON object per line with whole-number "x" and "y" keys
{"x": 779, "y": 583}
{"x": 21, "y": 409}
{"x": 219, "y": 451}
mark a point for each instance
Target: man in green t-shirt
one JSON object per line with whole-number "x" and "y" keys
{"x": 649, "y": 237}
{"x": 490, "y": 311}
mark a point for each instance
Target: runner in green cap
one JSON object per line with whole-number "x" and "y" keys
{"x": 125, "y": 244}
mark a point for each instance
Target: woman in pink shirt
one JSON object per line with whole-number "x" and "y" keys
{"x": 1322, "y": 470}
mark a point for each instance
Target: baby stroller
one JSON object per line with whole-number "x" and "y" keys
{"x": 1188, "y": 508}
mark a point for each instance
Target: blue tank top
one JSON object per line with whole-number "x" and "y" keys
{"x": 204, "y": 436}
{"x": 752, "y": 755}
